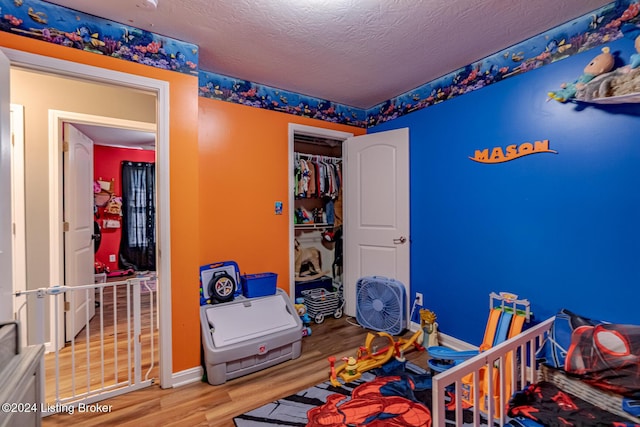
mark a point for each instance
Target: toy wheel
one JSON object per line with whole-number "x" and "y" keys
{"x": 221, "y": 287}
{"x": 338, "y": 313}
{"x": 319, "y": 318}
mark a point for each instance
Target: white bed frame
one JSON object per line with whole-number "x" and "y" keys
{"x": 524, "y": 372}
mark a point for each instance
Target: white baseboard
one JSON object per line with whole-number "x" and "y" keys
{"x": 454, "y": 343}
{"x": 188, "y": 376}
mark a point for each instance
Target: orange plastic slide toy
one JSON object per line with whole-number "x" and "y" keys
{"x": 505, "y": 321}
{"x": 517, "y": 323}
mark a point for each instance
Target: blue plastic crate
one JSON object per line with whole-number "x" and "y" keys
{"x": 259, "y": 285}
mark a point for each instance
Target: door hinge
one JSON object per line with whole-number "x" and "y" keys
{"x": 13, "y": 228}
{"x": 67, "y": 306}
{"x": 65, "y": 146}
{"x": 65, "y": 226}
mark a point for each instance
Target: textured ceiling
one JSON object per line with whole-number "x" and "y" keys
{"x": 353, "y": 52}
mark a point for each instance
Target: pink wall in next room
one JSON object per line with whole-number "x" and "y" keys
{"x": 107, "y": 166}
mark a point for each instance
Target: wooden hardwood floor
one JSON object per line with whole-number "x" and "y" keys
{"x": 201, "y": 404}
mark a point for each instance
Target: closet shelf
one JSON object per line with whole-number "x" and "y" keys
{"x": 313, "y": 226}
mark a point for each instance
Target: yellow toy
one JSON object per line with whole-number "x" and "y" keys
{"x": 429, "y": 326}
{"x": 369, "y": 358}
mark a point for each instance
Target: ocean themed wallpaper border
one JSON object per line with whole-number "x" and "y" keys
{"x": 66, "y": 27}
{"x": 604, "y": 25}
{"x": 584, "y": 33}
{"x": 244, "y": 92}
{"x": 55, "y": 24}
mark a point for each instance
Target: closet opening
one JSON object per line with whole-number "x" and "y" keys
{"x": 316, "y": 191}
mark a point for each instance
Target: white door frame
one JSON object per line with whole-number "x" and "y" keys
{"x": 311, "y": 131}
{"x": 57, "y": 119}
{"x": 18, "y": 216}
{"x": 6, "y": 245}
{"x": 161, "y": 90}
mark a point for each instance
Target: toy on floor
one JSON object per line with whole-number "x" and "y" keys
{"x": 429, "y": 326}
{"x": 121, "y": 273}
{"x": 301, "y": 309}
{"x": 602, "y": 63}
{"x": 321, "y": 303}
{"x": 507, "y": 316}
{"x": 368, "y": 357}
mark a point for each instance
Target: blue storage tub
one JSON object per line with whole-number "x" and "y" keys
{"x": 259, "y": 285}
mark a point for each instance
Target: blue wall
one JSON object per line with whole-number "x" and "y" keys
{"x": 562, "y": 230}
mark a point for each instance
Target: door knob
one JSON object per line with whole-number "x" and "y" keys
{"x": 400, "y": 241}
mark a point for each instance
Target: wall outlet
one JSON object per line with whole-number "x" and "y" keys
{"x": 419, "y": 299}
{"x": 112, "y": 258}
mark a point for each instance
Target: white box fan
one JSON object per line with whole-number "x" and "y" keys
{"x": 380, "y": 304}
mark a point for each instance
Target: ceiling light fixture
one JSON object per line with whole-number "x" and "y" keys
{"x": 148, "y": 4}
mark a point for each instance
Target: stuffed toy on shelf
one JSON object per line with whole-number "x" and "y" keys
{"x": 634, "y": 61}
{"x": 602, "y": 63}
{"x": 621, "y": 85}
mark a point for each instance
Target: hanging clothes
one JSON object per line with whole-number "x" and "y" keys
{"x": 317, "y": 176}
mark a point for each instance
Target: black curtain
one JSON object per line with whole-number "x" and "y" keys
{"x": 138, "y": 242}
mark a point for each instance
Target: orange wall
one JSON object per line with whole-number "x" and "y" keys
{"x": 243, "y": 172}
{"x": 183, "y": 96}
{"x": 228, "y": 165}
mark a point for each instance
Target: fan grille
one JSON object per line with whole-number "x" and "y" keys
{"x": 380, "y": 304}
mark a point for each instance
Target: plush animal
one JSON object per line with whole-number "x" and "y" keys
{"x": 601, "y": 64}
{"x": 635, "y": 58}
{"x": 621, "y": 81}
{"x": 307, "y": 257}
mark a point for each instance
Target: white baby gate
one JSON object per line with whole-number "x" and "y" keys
{"x": 489, "y": 364}
{"x": 109, "y": 356}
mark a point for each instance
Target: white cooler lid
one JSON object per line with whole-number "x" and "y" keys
{"x": 250, "y": 318}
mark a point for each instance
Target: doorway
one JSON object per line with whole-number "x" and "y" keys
{"x": 104, "y": 77}
{"x": 93, "y": 218}
{"x": 315, "y": 171}
{"x": 376, "y": 236}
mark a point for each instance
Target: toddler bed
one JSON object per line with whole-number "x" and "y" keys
{"x": 569, "y": 370}
{"x": 589, "y": 374}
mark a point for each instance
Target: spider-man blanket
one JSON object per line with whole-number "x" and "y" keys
{"x": 382, "y": 402}
{"x": 548, "y": 405}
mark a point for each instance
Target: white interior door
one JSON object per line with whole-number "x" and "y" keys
{"x": 376, "y": 210}
{"x": 6, "y": 263}
{"x": 78, "y": 217}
